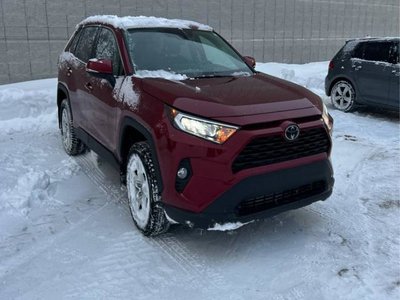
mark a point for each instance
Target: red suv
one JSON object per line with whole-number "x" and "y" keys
{"x": 199, "y": 137}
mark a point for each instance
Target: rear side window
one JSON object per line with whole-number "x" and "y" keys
{"x": 377, "y": 51}
{"x": 84, "y": 48}
{"x": 107, "y": 48}
{"x": 359, "y": 51}
{"x": 347, "y": 49}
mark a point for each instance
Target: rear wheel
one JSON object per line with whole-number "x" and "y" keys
{"x": 72, "y": 144}
{"x": 343, "y": 96}
{"x": 143, "y": 192}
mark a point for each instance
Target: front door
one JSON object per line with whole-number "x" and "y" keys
{"x": 102, "y": 103}
{"x": 373, "y": 72}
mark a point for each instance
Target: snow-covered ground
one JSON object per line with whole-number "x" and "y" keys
{"x": 66, "y": 232}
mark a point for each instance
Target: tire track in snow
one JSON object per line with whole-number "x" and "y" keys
{"x": 202, "y": 276}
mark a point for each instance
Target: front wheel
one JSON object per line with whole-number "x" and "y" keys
{"x": 343, "y": 96}
{"x": 143, "y": 186}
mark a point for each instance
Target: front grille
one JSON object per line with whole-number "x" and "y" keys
{"x": 274, "y": 149}
{"x": 264, "y": 202}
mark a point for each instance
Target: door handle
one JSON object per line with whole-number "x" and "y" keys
{"x": 396, "y": 73}
{"x": 89, "y": 87}
{"x": 357, "y": 67}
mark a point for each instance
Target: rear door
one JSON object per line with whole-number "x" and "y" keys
{"x": 394, "y": 91}
{"x": 373, "y": 72}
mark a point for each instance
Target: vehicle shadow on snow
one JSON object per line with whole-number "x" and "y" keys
{"x": 379, "y": 113}
{"x": 370, "y": 112}
{"x": 289, "y": 229}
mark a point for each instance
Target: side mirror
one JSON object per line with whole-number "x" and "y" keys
{"x": 250, "y": 61}
{"x": 101, "y": 68}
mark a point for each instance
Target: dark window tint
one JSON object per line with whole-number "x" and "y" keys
{"x": 107, "y": 48}
{"x": 85, "y": 45}
{"x": 359, "y": 51}
{"x": 394, "y": 53}
{"x": 74, "y": 42}
{"x": 377, "y": 51}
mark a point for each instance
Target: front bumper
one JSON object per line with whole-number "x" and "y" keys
{"x": 281, "y": 184}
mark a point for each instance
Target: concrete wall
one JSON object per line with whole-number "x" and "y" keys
{"x": 33, "y": 32}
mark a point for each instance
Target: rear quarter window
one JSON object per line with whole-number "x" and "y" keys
{"x": 74, "y": 42}
{"x": 347, "y": 50}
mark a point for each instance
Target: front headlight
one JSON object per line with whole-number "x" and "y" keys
{"x": 327, "y": 118}
{"x": 213, "y": 131}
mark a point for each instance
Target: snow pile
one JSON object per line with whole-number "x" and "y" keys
{"x": 144, "y": 22}
{"x": 227, "y": 226}
{"x": 67, "y": 58}
{"x": 241, "y": 74}
{"x": 124, "y": 92}
{"x": 30, "y": 190}
{"x": 160, "y": 74}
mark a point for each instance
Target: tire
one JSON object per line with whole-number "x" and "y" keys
{"x": 143, "y": 196}
{"x": 343, "y": 96}
{"x": 71, "y": 143}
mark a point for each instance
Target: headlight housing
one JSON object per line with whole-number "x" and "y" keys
{"x": 209, "y": 130}
{"x": 326, "y": 117}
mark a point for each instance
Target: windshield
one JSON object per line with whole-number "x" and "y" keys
{"x": 192, "y": 53}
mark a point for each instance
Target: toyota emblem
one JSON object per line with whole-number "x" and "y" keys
{"x": 292, "y": 132}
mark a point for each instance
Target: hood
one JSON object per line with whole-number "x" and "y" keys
{"x": 233, "y": 96}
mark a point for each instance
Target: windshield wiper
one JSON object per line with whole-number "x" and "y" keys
{"x": 213, "y": 76}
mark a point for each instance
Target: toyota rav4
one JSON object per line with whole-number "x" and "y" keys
{"x": 200, "y": 137}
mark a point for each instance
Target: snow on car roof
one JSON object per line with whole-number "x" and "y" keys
{"x": 144, "y": 22}
{"x": 369, "y": 38}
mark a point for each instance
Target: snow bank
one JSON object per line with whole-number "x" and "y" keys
{"x": 311, "y": 75}
{"x": 28, "y": 106}
{"x": 160, "y": 74}
{"x": 144, "y": 22}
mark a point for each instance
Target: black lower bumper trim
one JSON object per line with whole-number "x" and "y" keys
{"x": 263, "y": 196}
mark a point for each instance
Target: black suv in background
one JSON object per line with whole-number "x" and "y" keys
{"x": 365, "y": 71}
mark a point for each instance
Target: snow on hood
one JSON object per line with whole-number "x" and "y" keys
{"x": 160, "y": 74}
{"x": 143, "y": 22}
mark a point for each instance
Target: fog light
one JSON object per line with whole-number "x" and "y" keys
{"x": 182, "y": 173}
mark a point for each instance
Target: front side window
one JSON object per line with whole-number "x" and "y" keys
{"x": 84, "y": 48}
{"x": 194, "y": 53}
{"x": 107, "y": 48}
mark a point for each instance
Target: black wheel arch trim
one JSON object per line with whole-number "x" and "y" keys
{"x": 130, "y": 122}
{"x": 64, "y": 89}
